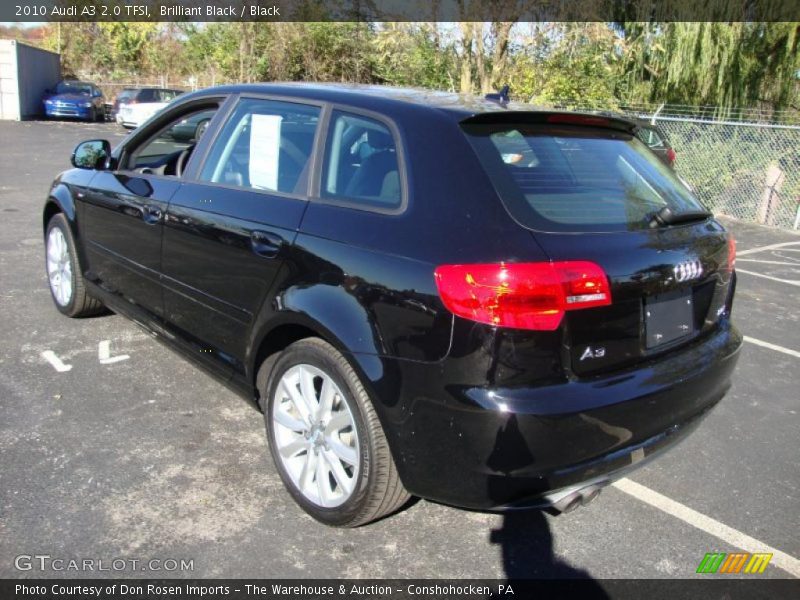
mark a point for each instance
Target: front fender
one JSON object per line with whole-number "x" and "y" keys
{"x": 62, "y": 199}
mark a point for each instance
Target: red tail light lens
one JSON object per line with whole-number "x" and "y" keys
{"x": 731, "y": 252}
{"x": 522, "y": 295}
{"x": 671, "y": 156}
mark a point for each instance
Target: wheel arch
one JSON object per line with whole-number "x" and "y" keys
{"x": 290, "y": 327}
{"x": 60, "y": 201}
{"x": 380, "y": 375}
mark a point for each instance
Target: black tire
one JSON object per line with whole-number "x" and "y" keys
{"x": 378, "y": 490}
{"x": 80, "y": 304}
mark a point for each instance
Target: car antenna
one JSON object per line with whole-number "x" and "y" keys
{"x": 502, "y": 97}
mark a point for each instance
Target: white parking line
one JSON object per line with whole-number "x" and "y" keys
{"x": 711, "y": 526}
{"x": 762, "y": 248}
{"x": 789, "y": 281}
{"x": 104, "y": 354}
{"x": 769, "y": 262}
{"x": 57, "y": 363}
{"x": 775, "y": 347}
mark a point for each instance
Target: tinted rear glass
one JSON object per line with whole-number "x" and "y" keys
{"x": 146, "y": 95}
{"x": 568, "y": 178}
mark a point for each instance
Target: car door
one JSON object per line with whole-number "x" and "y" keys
{"x": 227, "y": 229}
{"x": 122, "y": 212}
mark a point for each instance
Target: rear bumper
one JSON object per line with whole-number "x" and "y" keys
{"x": 509, "y": 447}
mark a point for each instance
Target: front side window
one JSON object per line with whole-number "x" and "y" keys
{"x": 265, "y": 145}
{"x": 168, "y": 152}
{"x": 361, "y": 163}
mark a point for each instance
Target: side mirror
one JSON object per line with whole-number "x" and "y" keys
{"x": 92, "y": 154}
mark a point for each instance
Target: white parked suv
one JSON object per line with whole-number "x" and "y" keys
{"x": 144, "y": 104}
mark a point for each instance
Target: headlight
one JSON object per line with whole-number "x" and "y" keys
{"x": 48, "y": 101}
{"x": 86, "y": 104}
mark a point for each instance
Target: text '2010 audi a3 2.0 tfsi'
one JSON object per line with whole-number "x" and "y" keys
{"x": 486, "y": 306}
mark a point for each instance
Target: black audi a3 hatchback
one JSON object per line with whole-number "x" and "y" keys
{"x": 482, "y": 304}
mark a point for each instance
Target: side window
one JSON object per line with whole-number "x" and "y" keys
{"x": 265, "y": 145}
{"x": 168, "y": 152}
{"x": 361, "y": 162}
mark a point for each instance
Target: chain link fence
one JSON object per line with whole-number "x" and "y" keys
{"x": 745, "y": 166}
{"x": 750, "y": 171}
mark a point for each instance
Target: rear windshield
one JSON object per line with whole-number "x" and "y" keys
{"x": 569, "y": 178}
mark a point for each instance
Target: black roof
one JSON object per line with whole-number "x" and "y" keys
{"x": 393, "y": 99}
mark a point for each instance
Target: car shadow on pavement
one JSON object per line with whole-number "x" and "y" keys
{"x": 524, "y": 537}
{"x": 527, "y": 548}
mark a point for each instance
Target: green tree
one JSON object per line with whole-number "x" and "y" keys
{"x": 127, "y": 43}
{"x": 569, "y": 64}
{"x": 410, "y": 54}
{"x": 729, "y": 65}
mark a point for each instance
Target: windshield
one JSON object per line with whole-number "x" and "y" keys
{"x": 73, "y": 88}
{"x": 567, "y": 178}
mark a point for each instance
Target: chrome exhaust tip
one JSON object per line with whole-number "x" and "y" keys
{"x": 570, "y": 499}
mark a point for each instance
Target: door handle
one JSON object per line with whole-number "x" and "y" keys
{"x": 265, "y": 244}
{"x": 151, "y": 214}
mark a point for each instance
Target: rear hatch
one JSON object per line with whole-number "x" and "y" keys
{"x": 588, "y": 190}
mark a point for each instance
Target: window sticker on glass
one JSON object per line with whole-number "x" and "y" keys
{"x": 265, "y": 143}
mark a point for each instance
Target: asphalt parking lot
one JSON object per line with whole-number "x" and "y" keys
{"x": 120, "y": 448}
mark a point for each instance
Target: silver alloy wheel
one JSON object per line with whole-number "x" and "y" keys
{"x": 316, "y": 436}
{"x": 59, "y": 267}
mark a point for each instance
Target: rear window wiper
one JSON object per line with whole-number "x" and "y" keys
{"x": 665, "y": 217}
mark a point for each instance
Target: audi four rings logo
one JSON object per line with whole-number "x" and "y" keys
{"x": 685, "y": 271}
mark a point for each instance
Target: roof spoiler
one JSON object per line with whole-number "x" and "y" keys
{"x": 552, "y": 118}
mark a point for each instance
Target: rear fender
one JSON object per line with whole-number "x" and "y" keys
{"x": 327, "y": 312}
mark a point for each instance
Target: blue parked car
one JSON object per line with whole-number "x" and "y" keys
{"x": 75, "y": 99}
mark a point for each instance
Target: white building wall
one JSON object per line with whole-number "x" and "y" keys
{"x": 25, "y": 73}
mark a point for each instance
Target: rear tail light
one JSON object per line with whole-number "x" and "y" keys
{"x": 731, "y": 252}
{"x": 522, "y": 295}
{"x": 671, "y": 156}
